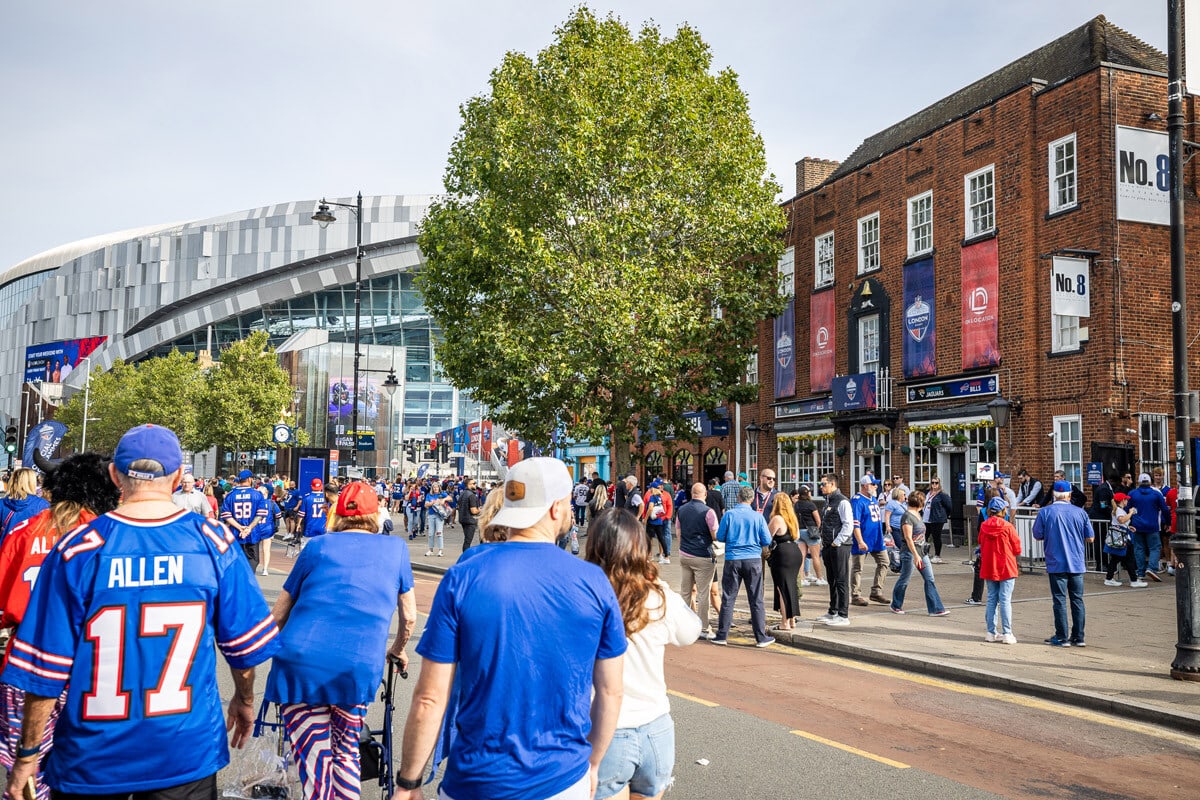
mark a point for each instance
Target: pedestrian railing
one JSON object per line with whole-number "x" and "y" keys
{"x": 1033, "y": 553}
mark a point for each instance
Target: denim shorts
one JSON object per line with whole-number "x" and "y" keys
{"x": 641, "y": 758}
{"x": 809, "y": 537}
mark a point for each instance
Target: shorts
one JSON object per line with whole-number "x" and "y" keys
{"x": 641, "y": 758}
{"x": 810, "y": 537}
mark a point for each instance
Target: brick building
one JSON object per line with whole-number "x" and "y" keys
{"x": 1009, "y": 241}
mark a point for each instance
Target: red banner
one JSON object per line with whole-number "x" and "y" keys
{"x": 980, "y": 305}
{"x": 821, "y": 342}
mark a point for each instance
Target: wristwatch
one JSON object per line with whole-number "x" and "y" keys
{"x": 407, "y": 783}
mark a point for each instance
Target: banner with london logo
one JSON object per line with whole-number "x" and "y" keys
{"x": 821, "y": 342}
{"x": 920, "y": 323}
{"x": 785, "y": 351}
{"x": 980, "y": 305}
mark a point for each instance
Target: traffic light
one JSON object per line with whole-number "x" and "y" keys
{"x": 10, "y": 439}
{"x": 433, "y": 449}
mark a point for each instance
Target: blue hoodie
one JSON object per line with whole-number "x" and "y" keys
{"x": 1152, "y": 513}
{"x": 13, "y": 512}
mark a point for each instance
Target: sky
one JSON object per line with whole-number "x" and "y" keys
{"x": 129, "y": 113}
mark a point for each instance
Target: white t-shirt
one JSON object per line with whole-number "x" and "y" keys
{"x": 645, "y": 686}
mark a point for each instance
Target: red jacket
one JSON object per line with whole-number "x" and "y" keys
{"x": 999, "y": 547}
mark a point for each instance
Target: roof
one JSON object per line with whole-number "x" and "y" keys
{"x": 56, "y": 257}
{"x": 1096, "y": 43}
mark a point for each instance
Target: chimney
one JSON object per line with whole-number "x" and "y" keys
{"x": 812, "y": 172}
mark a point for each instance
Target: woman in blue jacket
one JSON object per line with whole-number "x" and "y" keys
{"x": 937, "y": 513}
{"x": 21, "y": 502}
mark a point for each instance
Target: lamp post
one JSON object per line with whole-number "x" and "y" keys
{"x": 323, "y": 217}
{"x": 1001, "y": 411}
{"x": 87, "y": 387}
{"x": 391, "y": 384}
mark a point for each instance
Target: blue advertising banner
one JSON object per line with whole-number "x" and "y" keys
{"x": 45, "y": 436}
{"x": 785, "y": 352}
{"x": 854, "y": 392}
{"x": 821, "y": 405}
{"x": 988, "y": 384}
{"x": 920, "y": 323}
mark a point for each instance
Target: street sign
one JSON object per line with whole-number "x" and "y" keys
{"x": 395, "y": 462}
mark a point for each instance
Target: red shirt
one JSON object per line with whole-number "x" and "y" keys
{"x": 999, "y": 546}
{"x": 21, "y": 559}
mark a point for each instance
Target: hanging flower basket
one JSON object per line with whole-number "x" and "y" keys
{"x": 841, "y": 451}
{"x": 933, "y": 441}
{"x": 878, "y": 449}
{"x": 808, "y": 447}
{"x": 989, "y": 446}
{"x": 905, "y": 449}
{"x": 960, "y": 440}
{"x": 789, "y": 448}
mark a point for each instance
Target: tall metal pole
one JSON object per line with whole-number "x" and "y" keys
{"x": 1184, "y": 545}
{"x": 357, "y": 330}
{"x": 87, "y": 388}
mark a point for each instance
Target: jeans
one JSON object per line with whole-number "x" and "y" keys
{"x": 1062, "y": 585}
{"x": 1000, "y": 596}
{"x": 837, "y": 572}
{"x": 698, "y": 572}
{"x": 641, "y": 758}
{"x": 663, "y": 534}
{"x": 1147, "y": 547}
{"x": 749, "y": 570}
{"x": 933, "y": 601}
{"x": 414, "y": 523}
{"x": 436, "y": 539}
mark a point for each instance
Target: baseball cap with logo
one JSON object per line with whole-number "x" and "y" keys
{"x": 245, "y": 475}
{"x": 1062, "y": 486}
{"x": 316, "y": 485}
{"x": 148, "y": 442}
{"x": 357, "y": 500}
{"x": 998, "y": 504}
{"x": 532, "y": 486}
{"x": 1144, "y": 477}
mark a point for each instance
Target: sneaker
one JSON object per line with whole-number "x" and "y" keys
{"x": 767, "y": 642}
{"x": 718, "y": 642}
{"x": 897, "y": 610}
{"x": 707, "y": 635}
{"x": 1008, "y": 638}
{"x": 1078, "y": 643}
{"x": 838, "y": 622}
{"x": 1139, "y": 584}
{"x": 428, "y": 553}
{"x": 936, "y": 560}
{"x": 859, "y": 601}
{"x": 991, "y": 637}
{"x": 824, "y": 618}
{"x": 1111, "y": 582}
{"x": 1170, "y": 570}
{"x": 664, "y": 561}
{"x": 806, "y": 582}
{"x": 821, "y": 582}
{"x": 439, "y": 553}
{"x": 1152, "y": 575}
{"x": 1054, "y": 641}
{"x": 971, "y": 601}
{"x": 942, "y": 613}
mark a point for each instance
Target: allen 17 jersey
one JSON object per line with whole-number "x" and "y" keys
{"x": 312, "y": 511}
{"x": 125, "y": 614}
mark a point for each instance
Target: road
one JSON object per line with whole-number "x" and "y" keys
{"x": 780, "y": 722}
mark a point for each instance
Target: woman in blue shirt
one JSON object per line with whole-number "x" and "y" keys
{"x": 343, "y": 586}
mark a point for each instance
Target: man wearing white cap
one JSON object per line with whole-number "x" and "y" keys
{"x": 530, "y": 631}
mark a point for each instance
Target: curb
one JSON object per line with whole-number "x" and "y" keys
{"x": 1092, "y": 701}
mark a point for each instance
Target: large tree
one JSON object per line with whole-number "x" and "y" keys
{"x": 609, "y": 237}
{"x": 244, "y": 395}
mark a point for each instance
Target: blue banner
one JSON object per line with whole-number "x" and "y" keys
{"x": 972, "y": 387}
{"x": 45, "y": 436}
{"x": 820, "y": 405}
{"x": 854, "y": 392}
{"x": 785, "y": 351}
{"x": 920, "y": 324}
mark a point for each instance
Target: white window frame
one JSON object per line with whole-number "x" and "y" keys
{"x": 805, "y": 468}
{"x": 862, "y": 343}
{"x": 915, "y": 242}
{"x": 752, "y": 461}
{"x": 1064, "y": 333}
{"x": 787, "y": 272}
{"x": 863, "y": 463}
{"x": 752, "y": 369}
{"x": 988, "y": 204}
{"x": 1068, "y": 178}
{"x": 1068, "y": 446}
{"x": 1154, "y": 450}
{"x": 823, "y": 262}
{"x": 868, "y": 244}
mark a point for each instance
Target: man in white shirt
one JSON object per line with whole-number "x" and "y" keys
{"x": 191, "y": 498}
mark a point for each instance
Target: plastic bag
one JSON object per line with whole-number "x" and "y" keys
{"x": 264, "y": 768}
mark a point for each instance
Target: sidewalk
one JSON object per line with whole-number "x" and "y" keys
{"x": 1124, "y": 670}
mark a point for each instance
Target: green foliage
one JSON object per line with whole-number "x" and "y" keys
{"x": 113, "y": 401}
{"x": 244, "y": 395}
{"x": 603, "y": 202}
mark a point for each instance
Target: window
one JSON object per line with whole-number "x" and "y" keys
{"x": 1062, "y": 174}
{"x": 787, "y": 272}
{"x": 868, "y": 343}
{"x": 752, "y": 461}
{"x": 979, "y": 189}
{"x": 920, "y": 224}
{"x": 1152, "y": 443}
{"x": 752, "y": 369}
{"x": 824, "y": 260}
{"x": 1068, "y": 447}
{"x": 873, "y": 454}
{"x": 1065, "y": 333}
{"x": 811, "y": 456}
{"x": 868, "y": 243}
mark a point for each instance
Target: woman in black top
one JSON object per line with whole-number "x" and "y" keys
{"x": 937, "y": 512}
{"x": 809, "y": 520}
{"x": 785, "y": 560}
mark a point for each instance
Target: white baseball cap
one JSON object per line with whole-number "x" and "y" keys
{"x": 530, "y": 488}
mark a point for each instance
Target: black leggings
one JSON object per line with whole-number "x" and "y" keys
{"x": 1113, "y": 562}
{"x": 934, "y": 529}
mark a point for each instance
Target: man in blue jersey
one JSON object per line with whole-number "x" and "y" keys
{"x": 527, "y": 632}
{"x": 243, "y": 510}
{"x": 124, "y": 615}
{"x": 312, "y": 511}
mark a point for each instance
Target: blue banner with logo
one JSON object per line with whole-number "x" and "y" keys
{"x": 785, "y": 351}
{"x": 45, "y": 437}
{"x": 920, "y": 328}
{"x": 854, "y": 392}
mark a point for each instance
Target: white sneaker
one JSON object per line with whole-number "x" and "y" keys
{"x": 428, "y": 553}
{"x": 936, "y": 560}
{"x": 838, "y": 622}
{"x": 1138, "y": 584}
{"x": 824, "y": 618}
{"x": 664, "y": 561}
{"x": 822, "y": 582}
{"x": 264, "y": 571}
{"x": 991, "y": 637}
{"x": 1008, "y": 638}
{"x": 1111, "y": 582}
{"x": 806, "y": 582}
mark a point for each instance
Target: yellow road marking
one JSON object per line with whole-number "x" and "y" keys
{"x": 701, "y": 701}
{"x": 1015, "y": 699}
{"x": 850, "y": 749}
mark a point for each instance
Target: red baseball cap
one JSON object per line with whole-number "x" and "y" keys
{"x": 316, "y": 484}
{"x": 357, "y": 500}
{"x": 1120, "y": 497}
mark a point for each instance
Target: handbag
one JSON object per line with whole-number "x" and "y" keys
{"x": 716, "y": 549}
{"x": 264, "y": 769}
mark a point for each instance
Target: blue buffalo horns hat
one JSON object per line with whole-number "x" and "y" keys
{"x": 151, "y": 442}
{"x": 1062, "y": 486}
{"x": 244, "y": 474}
{"x": 997, "y": 504}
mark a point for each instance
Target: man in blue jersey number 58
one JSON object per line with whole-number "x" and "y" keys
{"x": 124, "y": 614}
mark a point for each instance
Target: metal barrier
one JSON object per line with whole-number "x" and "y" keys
{"x": 1033, "y": 553}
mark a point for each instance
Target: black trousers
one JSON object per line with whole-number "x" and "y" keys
{"x": 203, "y": 789}
{"x": 468, "y": 535}
{"x": 251, "y": 551}
{"x": 837, "y": 572}
{"x": 934, "y": 529}
{"x": 1112, "y": 562}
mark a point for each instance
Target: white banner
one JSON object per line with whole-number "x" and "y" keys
{"x": 1143, "y": 176}
{"x": 1070, "y": 287}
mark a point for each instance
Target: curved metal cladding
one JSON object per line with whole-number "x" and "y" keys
{"x": 215, "y": 280}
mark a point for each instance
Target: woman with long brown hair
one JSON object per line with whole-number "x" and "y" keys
{"x": 641, "y": 758}
{"x": 786, "y": 559}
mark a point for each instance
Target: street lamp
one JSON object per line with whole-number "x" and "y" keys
{"x": 391, "y": 385}
{"x": 323, "y": 217}
{"x": 87, "y": 387}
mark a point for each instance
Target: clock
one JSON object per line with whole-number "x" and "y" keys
{"x": 282, "y": 434}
